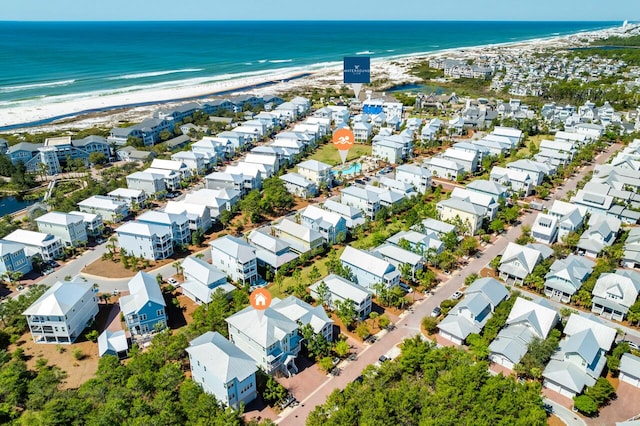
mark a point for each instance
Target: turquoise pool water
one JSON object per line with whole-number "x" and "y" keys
{"x": 353, "y": 169}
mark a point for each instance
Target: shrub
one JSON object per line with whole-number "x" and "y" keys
{"x": 430, "y": 325}
{"x": 362, "y": 330}
{"x": 92, "y": 336}
{"x": 78, "y": 354}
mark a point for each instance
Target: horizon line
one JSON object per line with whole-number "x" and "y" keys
{"x": 631, "y": 21}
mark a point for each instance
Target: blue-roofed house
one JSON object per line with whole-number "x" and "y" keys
{"x": 113, "y": 343}
{"x": 341, "y": 289}
{"x": 144, "y": 308}
{"x": 527, "y": 321}
{"x": 472, "y": 313}
{"x": 581, "y": 357}
{"x": 517, "y": 262}
{"x": 202, "y": 280}
{"x": 566, "y": 276}
{"x": 222, "y": 369}
{"x": 368, "y": 269}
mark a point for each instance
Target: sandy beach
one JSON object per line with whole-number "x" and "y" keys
{"x": 394, "y": 69}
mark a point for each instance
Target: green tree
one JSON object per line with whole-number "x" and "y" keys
{"x": 362, "y": 330}
{"x": 496, "y": 225}
{"x": 585, "y": 404}
{"x": 601, "y": 392}
{"x": 273, "y": 392}
{"x": 341, "y": 348}
{"x": 430, "y": 324}
{"x": 325, "y": 363}
{"x": 384, "y": 321}
{"x": 346, "y": 311}
{"x": 97, "y": 158}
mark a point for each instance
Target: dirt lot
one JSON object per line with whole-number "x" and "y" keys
{"x": 78, "y": 371}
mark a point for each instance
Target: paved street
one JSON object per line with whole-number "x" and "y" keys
{"x": 410, "y": 324}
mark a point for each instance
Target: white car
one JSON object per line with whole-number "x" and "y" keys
{"x": 172, "y": 281}
{"x": 457, "y": 295}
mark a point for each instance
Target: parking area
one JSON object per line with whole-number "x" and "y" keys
{"x": 624, "y": 407}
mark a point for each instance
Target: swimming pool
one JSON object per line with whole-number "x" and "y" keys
{"x": 353, "y": 169}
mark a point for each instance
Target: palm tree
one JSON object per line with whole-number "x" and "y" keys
{"x": 178, "y": 267}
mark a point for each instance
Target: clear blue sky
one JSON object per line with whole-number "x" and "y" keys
{"x": 554, "y": 10}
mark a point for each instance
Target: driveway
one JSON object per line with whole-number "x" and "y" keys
{"x": 410, "y": 325}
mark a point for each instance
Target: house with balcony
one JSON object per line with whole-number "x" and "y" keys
{"x": 199, "y": 216}
{"x": 13, "y": 258}
{"x": 516, "y": 180}
{"x": 545, "y": 228}
{"x": 467, "y": 215}
{"x": 273, "y": 342}
{"x": 581, "y": 357}
{"x": 387, "y": 150}
{"x": 351, "y": 215}
{"x": 569, "y": 216}
{"x": 144, "y": 308}
{"x": 135, "y": 198}
{"x": 202, "y": 280}
{"x": 615, "y": 293}
{"x": 302, "y": 239}
{"x": 417, "y": 242}
{"x": 339, "y": 290}
{"x": 149, "y": 183}
{"x": 478, "y": 150}
{"x": 195, "y": 161}
{"x": 222, "y": 180}
{"x": 536, "y": 170}
{"x": 304, "y": 314}
{"x": 216, "y": 200}
{"x": 444, "y": 168}
{"x": 111, "y": 210}
{"x": 517, "y": 262}
{"x": 469, "y": 160}
{"x": 69, "y": 227}
{"x": 602, "y": 232}
{"x": 92, "y": 222}
{"x": 46, "y": 246}
{"x": 366, "y": 201}
{"x": 299, "y": 186}
{"x": 472, "y": 313}
{"x": 178, "y": 224}
{"x": 482, "y": 201}
{"x": 369, "y": 269}
{"x": 315, "y": 171}
{"x": 148, "y": 131}
{"x": 527, "y": 320}
{"x": 398, "y": 256}
{"x": 222, "y": 369}
{"x": 236, "y": 258}
{"x": 172, "y": 179}
{"x": 565, "y": 277}
{"x": 415, "y": 175}
{"x": 487, "y": 187}
{"x": 327, "y": 223}
{"x": 63, "y": 312}
{"x": 146, "y": 240}
{"x": 272, "y": 252}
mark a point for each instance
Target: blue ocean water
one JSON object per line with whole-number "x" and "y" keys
{"x": 50, "y": 61}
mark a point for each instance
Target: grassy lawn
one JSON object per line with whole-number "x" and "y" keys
{"x": 537, "y": 139}
{"x": 329, "y": 154}
{"x": 279, "y": 290}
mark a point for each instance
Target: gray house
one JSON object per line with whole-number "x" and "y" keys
{"x": 472, "y": 313}
{"x": 566, "y": 276}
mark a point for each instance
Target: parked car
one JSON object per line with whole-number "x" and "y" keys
{"x": 457, "y": 295}
{"x": 172, "y": 281}
{"x": 436, "y": 312}
{"x": 383, "y": 358}
{"x": 405, "y": 287}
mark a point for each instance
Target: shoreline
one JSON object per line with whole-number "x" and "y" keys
{"x": 109, "y": 110}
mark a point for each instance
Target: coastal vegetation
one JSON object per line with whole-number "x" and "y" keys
{"x": 432, "y": 386}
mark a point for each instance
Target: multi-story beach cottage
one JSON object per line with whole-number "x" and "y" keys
{"x": 178, "y": 224}
{"x": 144, "y": 309}
{"x": 369, "y": 269}
{"x": 222, "y": 369}
{"x": 300, "y": 312}
{"x": 150, "y": 183}
{"x": 111, "y": 210}
{"x": 236, "y": 258}
{"x": 273, "y": 342}
{"x": 516, "y": 180}
{"x": 272, "y": 252}
{"x": 566, "y": 276}
{"x": 415, "y": 175}
{"x": 615, "y": 293}
{"x": 517, "y": 262}
{"x": 46, "y": 246}
{"x": 13, "y": 258}
{"x": 315, "y": 171}
{"x": 339, "y": 290}
{"x": 302, "y": 239}
{"x": 69, "y": 227}
{"x": 328, "y": 224}
{"x": 444, "y": 168}
{"x": 528, "y": 320}
{"x": 148, "y": 131}
{"x": 135, "y": 198}
{"x": 93, "y": 223}
{"x": 469, "y": 215}
{"x": 299, "y": 186}
{"x": 62, "y": 313}
{"x": 199, "y": 216}
{"x": 149, "y": 241}
{"x": 581, "y": 357}
{"x": 202, "y": 280}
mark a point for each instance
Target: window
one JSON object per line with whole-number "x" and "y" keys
{"x": 160, "y": 312}
{"x": 143, "y": 317}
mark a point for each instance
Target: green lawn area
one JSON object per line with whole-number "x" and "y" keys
{"x": 329, "y": 154}
{"x": 279, "y": 290}
{"x": 537, "y": 139}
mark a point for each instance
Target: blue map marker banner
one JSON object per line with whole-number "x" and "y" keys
{"x": 357, "y": 69}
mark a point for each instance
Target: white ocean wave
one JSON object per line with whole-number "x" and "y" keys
{"x": 365, "y": 52}
{"x": 280, "y": 61}
{"x": 154, "y": 74}
{"x": 10, "y": 89}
